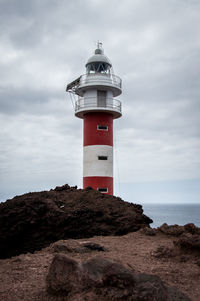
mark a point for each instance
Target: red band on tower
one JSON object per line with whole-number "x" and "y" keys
{"x": 99, "y": 182}
{"x": 92, "y": 132}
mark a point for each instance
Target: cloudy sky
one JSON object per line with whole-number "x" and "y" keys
{"x": 154, "y": 46}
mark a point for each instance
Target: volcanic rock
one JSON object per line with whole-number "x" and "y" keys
{"x": 93, "y": 246}
{"x": 148, "y": 231}
{"x": 174, "y": 230}
{"x": 62, "y": 246}
{"x": 191, "y": 228}
{"x": 104, "y": 280}
{"x": 189, "y": 242}
{"x": 164, "y": 252}
{"x": 34, "y": 220}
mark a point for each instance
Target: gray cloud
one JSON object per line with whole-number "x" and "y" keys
{"x": 153, "y": 45}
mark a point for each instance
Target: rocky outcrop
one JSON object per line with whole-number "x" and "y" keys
{"x": 148, "y": 231}
{"x": 176, "y": 230}
{"x": 188, "y": 236}
{"x": 188, "y": 242}
{"x": 104, "y": 280}
{"x": 34, "y": 220}
{"x": 77, "y": 247}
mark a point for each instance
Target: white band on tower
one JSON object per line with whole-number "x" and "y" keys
{"x": 98, "y": 161}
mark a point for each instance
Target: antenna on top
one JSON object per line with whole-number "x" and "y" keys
{"x": 99, "y": 45}
{"x": 99, "y": 49}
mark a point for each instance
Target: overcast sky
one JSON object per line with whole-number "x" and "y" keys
{"x": 154, "y": 47}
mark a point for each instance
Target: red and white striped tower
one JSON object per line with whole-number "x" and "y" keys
{"x": 97, "y": 107}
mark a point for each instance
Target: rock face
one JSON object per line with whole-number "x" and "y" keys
{"x": 104, "y": 280}
{"x": 34, "y": 220}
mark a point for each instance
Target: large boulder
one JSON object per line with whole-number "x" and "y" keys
{"x": 100, "y": 279}
{"x": 34, "y": 220}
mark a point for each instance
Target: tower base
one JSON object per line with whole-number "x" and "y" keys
{"x": 102, "y": 184}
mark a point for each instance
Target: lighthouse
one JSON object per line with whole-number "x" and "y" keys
{"x": 96, "y": 104}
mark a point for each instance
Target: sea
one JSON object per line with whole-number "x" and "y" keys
{"x": 172, "y": 214}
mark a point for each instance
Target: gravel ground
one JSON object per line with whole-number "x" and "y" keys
{"x": 23, "y": 277}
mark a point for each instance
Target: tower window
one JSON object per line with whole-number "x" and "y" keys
{"x": 102, "y": 127}
{"x": 102, "y": 157}
{"x": 101, "y": 189}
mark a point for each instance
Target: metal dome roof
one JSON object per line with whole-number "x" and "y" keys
{"x": 98, "y": 57}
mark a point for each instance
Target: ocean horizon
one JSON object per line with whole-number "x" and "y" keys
{"x": 171, "y": 214}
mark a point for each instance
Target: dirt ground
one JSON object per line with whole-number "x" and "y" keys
{"x": 23, "y": 277}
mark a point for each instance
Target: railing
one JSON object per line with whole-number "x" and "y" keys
{"x": 96, "y": 78}
{"x": 95, "y": 103}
